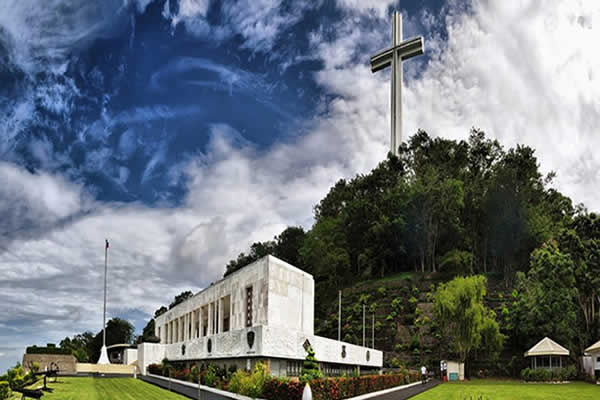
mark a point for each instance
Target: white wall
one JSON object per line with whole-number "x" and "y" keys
{"x": 129, "y": 356}
{"x": 255, "y": 275}
{"x": 273, "y": 342}
{"x": 291, "y": 297}
{"x": 150, "y": 353}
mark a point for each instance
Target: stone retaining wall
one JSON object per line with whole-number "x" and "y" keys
{"x": 118, "y": 369}
{"x": 66, "y": 363}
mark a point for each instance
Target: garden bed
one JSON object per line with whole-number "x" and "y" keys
{"x": 259, "y": 384}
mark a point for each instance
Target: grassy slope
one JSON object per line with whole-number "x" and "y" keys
{"x": 504, "y": 390}
{"x": 107, "y": 389}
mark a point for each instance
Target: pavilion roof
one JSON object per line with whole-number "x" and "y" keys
{"x": 547, "y": 347}
{"x": 595, "y": 348}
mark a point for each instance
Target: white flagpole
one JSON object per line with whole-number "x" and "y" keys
{"x": 364, "y": 325}
{"x": 103, "y": 353}
{"x": 340, "y": 319}
{"x": 105, "y": 274}
{"x": 373, "y": 330}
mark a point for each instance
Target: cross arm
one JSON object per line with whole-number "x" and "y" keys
{"x": 410, "y": 48}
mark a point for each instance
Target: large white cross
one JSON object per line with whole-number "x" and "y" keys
{"x": 394, "y": 56}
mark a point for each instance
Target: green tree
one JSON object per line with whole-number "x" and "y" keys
{"x": 546, "y": 298}
{"x": 117, "y": 331}
{"x": 80, "y": 346}
{"x": 180, "y": 298}
{"x": 310, "y": 367}
{"x": 582, "y": 242}
{"x": 459, "y": 310}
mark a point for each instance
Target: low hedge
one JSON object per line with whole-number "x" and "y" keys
{"x": 546, "y": 375}
{"x": 47, "y": 350}
{"x": 336, "y": 388}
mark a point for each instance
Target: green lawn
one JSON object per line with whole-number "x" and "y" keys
{"x": 107, "y": 389}
{"x": 503, "y": 390}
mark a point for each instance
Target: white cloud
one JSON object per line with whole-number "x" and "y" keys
{"x": 522, "y": 73}
{"x": 378, "y": 8}
{"x": 39, "y": 36}
{"x": 259, "y": 22}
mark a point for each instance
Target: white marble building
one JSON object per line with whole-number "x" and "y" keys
{"x": 264, "y": 311}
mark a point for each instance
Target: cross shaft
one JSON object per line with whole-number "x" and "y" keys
{"x": 400, "y": 51}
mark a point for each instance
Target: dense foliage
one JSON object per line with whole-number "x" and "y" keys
{"x": 47, "y": 350}
{"x": 459, "y": 309}
{"x": 5, "y": 391}
{"x": 446, "y": 208}
{"x": 15, "y": 378}
{"x": 86, "y": 346}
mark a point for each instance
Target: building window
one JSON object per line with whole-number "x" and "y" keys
{"x": 293, "y": 368}
{"x": 249, "y": 306}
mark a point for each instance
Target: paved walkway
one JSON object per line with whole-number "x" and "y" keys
{"x": 408, "y": 392}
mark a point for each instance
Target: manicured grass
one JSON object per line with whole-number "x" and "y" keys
{"x": 107, "y": 389}
{"x": 504, "y": 390}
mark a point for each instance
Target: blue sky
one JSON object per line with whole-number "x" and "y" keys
{"x": 183, "y": 130}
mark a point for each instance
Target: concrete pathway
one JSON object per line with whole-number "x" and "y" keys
{"x": 408, "y": 392}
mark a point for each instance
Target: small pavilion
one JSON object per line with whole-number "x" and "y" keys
{"x": 547, "y": 354}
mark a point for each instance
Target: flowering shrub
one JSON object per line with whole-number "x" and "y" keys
{"x": 335, "y": 388}
{"x": 155, "y": 369}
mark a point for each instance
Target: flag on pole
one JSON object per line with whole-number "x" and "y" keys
{"x": 107, "y": 246}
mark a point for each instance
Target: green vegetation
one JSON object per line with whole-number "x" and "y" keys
{"x": 458, "y": 306}
{"x": 107, "y": 389}
{"x": 545, "y": 375}
{"x": 46, "y": 350}
{"x": 86, "y": 346}
{"x": 15, "y": 378}
{"x": 310, "y": 367}
{"x": 441, "y": 209}
{"x": 509, "y": 390}
{"x": 250, "y": 384}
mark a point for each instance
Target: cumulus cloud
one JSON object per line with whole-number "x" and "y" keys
{"x": 525, "y": 74}
{"x": 522, "y": 73}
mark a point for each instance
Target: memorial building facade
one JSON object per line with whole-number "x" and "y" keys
{"x": 262, "y": 312}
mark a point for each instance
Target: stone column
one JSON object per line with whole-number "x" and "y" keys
{"x": 181, "y": 327}
{"x": 193, "y": 324}
{"x": 231, "y": 312}
{"x": 188, "y": 319}
{"x": 210, "y": 318}
{"x": 220, "y": 315}
{"x": 200, "y": 322}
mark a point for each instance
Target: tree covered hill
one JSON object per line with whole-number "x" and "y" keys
{"x": 445, "y": 208}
